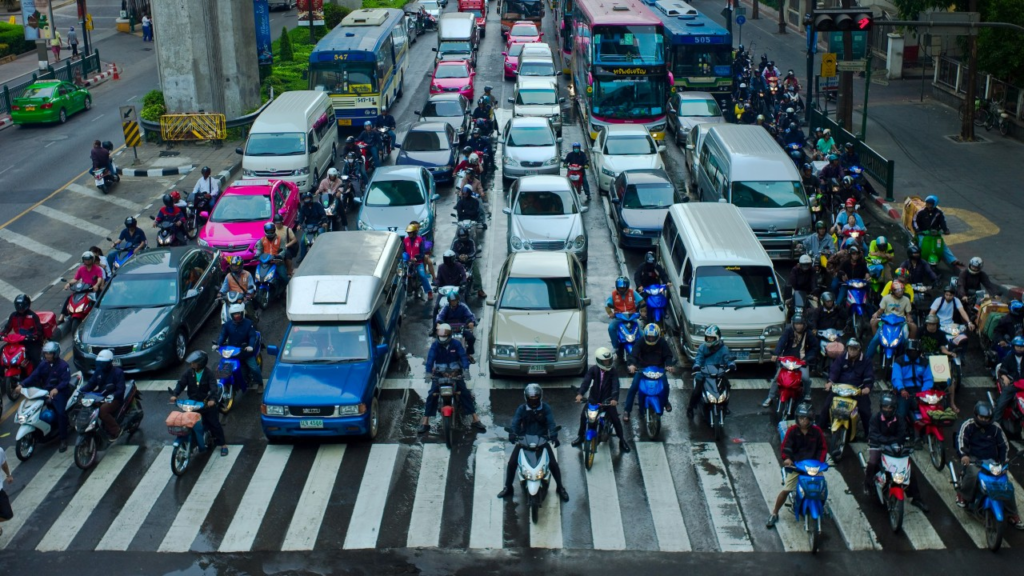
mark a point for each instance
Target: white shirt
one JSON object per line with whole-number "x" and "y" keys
{"x": 944, "y": 310}
{"x": 210, "y": 185}
{"x": 146, "y": 21}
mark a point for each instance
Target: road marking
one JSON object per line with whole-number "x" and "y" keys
{"x": 309, "y": 512}
{"x": 368, "y": 511}
{"x": 190, "y": 517}
{"x": 249, "y": 517}
{"x": 765, "y": 466}
{"x": 547, "y": 531}
{"x": 603, "y": 499}
{"x": 33, "y": 494}
{"x": 52, "y": 194}
{"x": 9, "y": 292}
{"x": 488, "y": 511}
{"x": 940, "y": 481}
{"x": 662, "y": 497}
{"x": 917, "y": 528}
{"x": 98, "y": 117}
{"x": 135, "y": 511}
{"x": 425, "y": 525}
{"x": 155, "y": 385}
{"x": 72, "y": 221}
{"x": 730, "y": 529}
{"x": 978, "y": 226}
{"x": 97, "y": 195}
{"x": 850, "y": 520}
{"x": 33, "y": 246}
{"x": 64, "y": 530}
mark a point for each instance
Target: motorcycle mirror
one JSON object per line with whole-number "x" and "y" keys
{"x": 511, "y": 100}
{"x": 272, "y": 350}
{"x": 584, "y": 209}
{"x": 204, "y": 214}
{"x": 109, "y": 239}
{"x": 357, "y": 200}
{"x": 507, "y": 429}
{"x": 586, "y": 301}
{"x": 313, "y": 148}
{"x": 153, "y": 218}
{"x": 561, "y": 100}
{"x": 435, "y": 197}
{"x": 490, "y": 302}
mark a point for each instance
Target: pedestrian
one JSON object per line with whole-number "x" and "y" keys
{"x": 5, "y": 504}
{"x": 147, "y": 28}
{"x": 73, "y": 42}
{"x": 55, "y": 45}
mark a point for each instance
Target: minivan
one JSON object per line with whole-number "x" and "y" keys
{"x": 294, "y": 139}
{"x": 721, "y": 275}
{"x": 744, "y": 166}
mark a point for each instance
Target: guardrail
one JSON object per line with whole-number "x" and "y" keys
{"x": 180, "y": 127}
{"x": 880, "y": 168}
{"x": 951, "y": 76}
{"x": 241, "y": 121}
{"x": 67, "y": 73}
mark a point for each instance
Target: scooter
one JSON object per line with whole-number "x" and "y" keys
{"x": 932, "y": 246}
{"x": 269, "y": 286}
{"x": 105, "y": 178}
{"x": 599, "y": 429}
{"x": 892, "y": 480}
{"x": 230, "y": 298}
{"x": 328, "y": 201}
{"x": 91, "y": 436}
{"x": 15, "y": 361}
{"x": 832, "y": 347}
{"x": 364, "y": 153}
{"x": 122, "y": 251}
{"x": 349, "y": 199}
{"x": 796, "y": 153}
{"x": 576, "y": 176}
{"x": 471, "y": 226}
{"x": 413, "y": 286}
{"x": 844, "y": 416}
{"x": 876, "y": 266}
{"x": 714, "y": 399}
{"x": 36, "y": 419}
{"x": 656, "y": 298}
{"x": 447, "y": 377}
{"x": 929, "y": 419}
{"x": 533, "y": 470}
{"x": 627, "y": 334}
{"x": 166, "y": 235}
{"x": 191, "y": 438}
{"x": 310, "y": 233}
{"x": 1013, "y": 417}
{"x": 385, "y": 147}
{"x": 651, "y": 387}
{"x": 892, "y": 331}
{"x": 994, "y": 491}
{"x": 790, "y": 385}
{"x": 856, "y": 298}
{"x": 231, "y": 374}
{"x": 77, "y": 306}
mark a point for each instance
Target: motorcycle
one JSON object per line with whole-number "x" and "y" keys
{"x": 311, "y": 232}
{"x": 447, "y": 377}
{"x": 413, "y": 286}
{"x": 993, "y": 493}
{"x": 892, "y": 480}
{"x": 15, "y": 361}
{"x": 269, "y": 286}
{"x": 191, "y": 438}
{"x": 385, "y": 146}
{"x": 599, "y": 429}
{"x": 91, "y": 436}
{"x": 231, "y": 374}
{"x": 715, "y": 398}
{"x": 652, "y": 386}
{"x": 929, "y": 419}
{"x": 876, "y": 266}
{"x": 1013, "y": 417}
{"x": 123, "y": 251}
{"x": 576, "y": 176}
{"x": 893, "y": 333}
{"x": 932, "y": 246}
{"x": 364, "y": 154}
{"x": 533, "y": 470}
{"x": 790, "y": 385}
{"x": 230, "y": 298}
{"x": 197, "y": 213}
{"x": 36, "y": 419}
{"x": 832, "y": 347}
{"x": 810, "y": 499}
{"x": 349, "y": 199}
{"x": 844, "y": 415}
{"x": 627, "y": 334}
{"x": 470, "y": 226}
{"x": 105, "y": 178}
{"x": 328, "y": 201}
{"x": 166, "y": 235}
{"x": 857, "y": 297}
{"x": 656, "y": 298}
{"x": 796, "y": 153}
{"x": 77, "y": 307}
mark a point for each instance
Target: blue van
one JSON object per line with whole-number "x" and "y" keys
{"x": 344, "y": 307}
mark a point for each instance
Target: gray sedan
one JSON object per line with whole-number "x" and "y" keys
{"x": 546, "y": 215}
{"x": 530, "y": 148}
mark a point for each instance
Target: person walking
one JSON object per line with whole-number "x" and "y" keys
{"x": 73, "y": 43}
{"x": 147, "y": 28}
{"x": 55, "y": 46}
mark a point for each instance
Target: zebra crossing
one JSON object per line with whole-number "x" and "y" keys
{"x": 233, "y": 504}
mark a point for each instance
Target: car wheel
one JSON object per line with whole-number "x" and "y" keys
{"x": 180, "y": 347}
{"x": 62, "y": 117}
{"x": 88, "y": 103}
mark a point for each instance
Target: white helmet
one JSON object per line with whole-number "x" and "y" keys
{"x": 88, "y": 255}
{"x": 236, "y": 309}
{"x": 105, "y": 356}
{"x": 603, "y": 358}
{"x": 333, "y": 172}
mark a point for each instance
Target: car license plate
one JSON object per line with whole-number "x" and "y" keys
{"x": 531, "y": 172}
{"x": 306, "y": 424}
{"x": 741, "y": 354}
{"x": 537, "y": 369}
{"x": 345, "y": 122}
{"x": 29, "y": 108}
{"x": 654, "y": 241}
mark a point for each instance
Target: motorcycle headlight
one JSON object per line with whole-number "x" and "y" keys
{"x": 592, "y": 415}
{"x": 203, "y": 243}
{"x": 272, "y": 410}
{"x": 516, "y": 242}
{"x": 885, "y": 341}
{"x": 996, "y": 469}
{"x": 710, "y": 398}
{"x": 511, "y": 161}
{"x": 87, "y": 402}
{"x": 774, "y": 330}
{"x": 899, "y": 477}
{"x": 504, "y": 351}
{"x": 20, "y": 419}
{"x": 571, "y": 351}
{"x": 607, "y": 172}
{"x": 812, "y": 470}
{"x": 579, "y": 242}
{"x": 301, "y": 171}
{"x": 160, "y": 337}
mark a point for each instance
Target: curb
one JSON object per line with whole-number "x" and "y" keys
{"x": 99, "y": 79}
{"x": 226, "y": 174}
{"x": 887, "y": 208}
{"x": 154, "y": 172}
{"x": 5, "y": 121}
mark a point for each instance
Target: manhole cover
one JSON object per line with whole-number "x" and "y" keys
{"x": 955, "y": 138}
{"x": 169, "y": 153}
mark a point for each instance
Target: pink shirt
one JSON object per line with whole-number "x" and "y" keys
{"x": 89, "y": 276}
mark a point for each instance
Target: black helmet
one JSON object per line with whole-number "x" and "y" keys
{"x": 467, "y": 150}
{"x": 888, "y": 404}
{"x": 827, "y": 298}
{"x": 350, "y": 140}
{"x": 983, "y": 412}
{"x": 649, "y": 258}
{"x": 269, "y": 229}
{"x": 22, "y": 303}
{"x": 130, "y": 222}
{"x": 488, "y": 88}
{"x": 350, "y": 157}
{"x": 534, "y": 395}
{"x": 480, "y": 101}
{"x": 804, "y": 410}
{"x": 448, "y": 256}
{"x": 913, "y": 349}
{"x": 168, "y": 201}
{"x": 198, "y": 357}
{"x": 205, "y": 171}
{"x": 913, "y": 250}
{"x": 798, "y": 319}
{"x": 462, "y": 233}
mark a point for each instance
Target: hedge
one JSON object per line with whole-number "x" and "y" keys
{"x": 12, "y": 40}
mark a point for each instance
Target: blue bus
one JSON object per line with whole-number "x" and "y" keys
{"x": 361, "y": 64}
{"x": 699, "y": 50}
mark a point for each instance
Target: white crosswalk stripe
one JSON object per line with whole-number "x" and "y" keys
{"x": 488, "y": 511}
{"x": 763, "y": 462}
{"x": 97, "y": 195}
{"x": 247, "y": 521}
{"x": 546, "y": 532}
{"x": 309, "y": 512}
{"x": 661, "y": 494}
{"x": 12, "y": 458}
{"x": 33, "y": 246}
{"x": 373, "y": 494}
{"x": 71, "y": 220}
{"x": 850, "y": 520}
{"x": 197, "y": 506}
{"x": 603, "y": 499}
{"x": 34, "y": 493}
{"x": 121, "y": 532}
{"x": 940, "y": 481}
{"x": 424, "y": 528}
{"x": 728, "y": 523}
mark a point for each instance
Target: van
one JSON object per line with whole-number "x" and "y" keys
{"x": 744, "y": 166}
{"x": 294, "y": 139}
{"x": 723, "y": 276}
{"x": 344, "y": 308}
{"x": 694, "y": 138}
{"x": 457, "y": 37}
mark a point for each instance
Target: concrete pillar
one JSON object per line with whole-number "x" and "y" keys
{"x": 350, "y": 4}
{"x": 894, "y": 56}
{"x": 206, "y": 54}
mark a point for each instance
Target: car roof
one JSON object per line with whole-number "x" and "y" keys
{"x": 647, "y": 176}
{"x": 398, "y": 172}
{"x": 543, "y": 183}
{"x": 539, "y": 265}
{"x": 253, "y": 187}
{"x": 530, "y": 121}
{"x": 156, "y": 261}
{"x": 530, "y": 22}
{"x": 535, "y": 82}
{"x": 428, "y": 127}
{"x": 46, "y": 83}
{"x": 696, "y": 96}
{"x": 447, "y": 96}
{"x": 453, "y": 62}
{"x": 622, "y": 129}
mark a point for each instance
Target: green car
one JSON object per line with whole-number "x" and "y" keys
{"x": 49, "y": 101}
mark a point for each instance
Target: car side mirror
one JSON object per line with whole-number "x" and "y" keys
{"x": 192, "y": 293}
{"x": 584, "y": 209}
{"x": 490, "y": 302}
{"x": 282, "y": 211}
{"x": 417, "y": 112}
{"x": 506, "y": 210}
{"x": 616, "y": 200}
{"x": 585, "y": 301}
{"x": 396, "y": 145}
{"x": 239, "y": 151}
{"x": 662, "y": 148}
{"x": 272, "y": 350}
{"x": 433, "y": 49}
{"x": 684, "y": 199}
{"x": 511, "y": 100}
{"x": 684, "y": 290}
{"x": 689, "y": 146}
{"x": 313, "y": 148}
{"x": 381, "y": 350}
{"x": 558, "y": 140}
{"x": 435, "y": 197}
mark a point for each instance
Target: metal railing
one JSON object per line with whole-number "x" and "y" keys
{"x": 67, "y": 72}
{"x": 951, "y": 76}
{"x": 877, "y": 166}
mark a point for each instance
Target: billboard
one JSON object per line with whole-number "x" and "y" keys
{"x": 261, "y": 9}
{"x": 311, "y": 11}
{"x": 37, "y": 16}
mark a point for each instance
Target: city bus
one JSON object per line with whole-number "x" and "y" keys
{"x": 361, "y": 64}
{"x": 563, "y": 31}
{"x": 698, "y": 51}
{"x": 618, "y": 65}
{"x": 512, "y": 11}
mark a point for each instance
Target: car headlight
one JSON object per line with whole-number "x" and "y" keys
{"x": 444, "y": 168}
{"x": 632, "y": 231}
{"x": 203, "y": 243}
{"x": 570, "y": 351}
{"x": 510, "y": 161}
{"x": 350, "y": 410}
{"x": 467, "y": 87}
{"x": 272, "y": 410}
{"x": 698, "y": 329}
{"x": 773, "y": 330}
{"x": 556, "y": 118}
{"x": 803, "y": 231}
{"x": 504, "y": 351}
{"x": 248, "y": 173}
{"x": 424, "y": 225}
{"x": 160, "y": 337}
{"x": 301, "y": 171}
{"x": 579, "y": 242}
{"x": 607, "y": 172}
{"x": 516, "y": 242}
{"x": 551, "y": 162}
{"x": 658, "y": 127}
{"x": 363, "y": 225}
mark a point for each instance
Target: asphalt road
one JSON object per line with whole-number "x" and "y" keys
{"x": 425, "y": 509}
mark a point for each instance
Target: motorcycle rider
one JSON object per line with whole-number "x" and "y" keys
{"x": 826, "y": 146}
{"x": 350, "y": 147}
{"x": 356, "y": 172}
{"x": 328, "y": 195}
{"x": 887, "y": 428}
{"x": 371, "y": 138}
{"x": 101, "y": 159}
{"x": 237, "y": 280}
{"x": 54, "y": 376}
{"x": 89, "y": 273}
{"x": 465, "y": 252}
{"x": 799, "y": 342}
{"x": 578, "y": 157}
{"x": 973, "y": 279}
{"x": 27, "y": 323}
{"x": 819, "y": 241}
{"x": 809, "y": 179}
{"x": 478, "y": 142}
{"x": 828, "y": 315}
{"x": 653, "y": 351}
{"x": 385, "y": 120}
{"x": 489, "y": 100}
{"x": 855, "y": 369}
{"x": 910, "y": 374}
{"x": 770, "y": 71}
{"x": 1009, "y": 327}
{"x": 458, "y": 312}
{"x": 108, "y": 380}
{"x": 206, "y": 185}
{"x": 201, "y": 386}
{"x": 418, "y": 256}
{"x": 853, "y": 268}
{"x": 534, "y": 418}
{"x": 1010, "y": 370}
{"x": 312, "y": 212}
{"x": 482, "y": 112}
{"x": 849, "y": 156}
{"x": 270, "y": 243}
{"x": 468, "y": 207}
{"x": 920, "y": 271}
{"x": 803, "y": 441}
{"x": 848, "y": 217}
{"x": 649, "y": 273}
{"x": 240, "y": 333}
{"x": 948, "y": 305}
{"x": 896, "y": 303}
{"x": 833, "y": 170}
{"x": 793, "y": 134}
{"x": 931, "y": 218}
{"x": 712, "y": 352}
{"x": 172, "y": 213}
{"x": 131, "y": 234}
{"x": 624, "y": 300}
{"x": 447, "y": 350}
{"x": 980, "y": 439}
{"x": 802, "y": 278}
{"x": 603, "y": 386}
{"x": 791, "y": 81}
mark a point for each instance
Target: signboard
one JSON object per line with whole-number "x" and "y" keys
{"x": 261, "y": 9}
{"x": 130, "y": 126}
{"x": 741, "y": 19}
{"x": 37, "y": 16}
{"x": 852, "y": 65}
{"x": 311, "y": 11}
{"x": 860, "y": 44}
{"x": 828, "y": 64}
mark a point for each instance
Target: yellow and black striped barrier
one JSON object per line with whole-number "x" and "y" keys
{"x": 178, "y": 127}
{"x": 132, "y": 136}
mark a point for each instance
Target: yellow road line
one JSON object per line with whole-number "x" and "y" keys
{"x": 978, "y": 226}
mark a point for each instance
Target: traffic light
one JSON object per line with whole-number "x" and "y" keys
{"x": 843, "y": 20}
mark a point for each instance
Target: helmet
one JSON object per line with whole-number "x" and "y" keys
{"x": 474, "y": 159}
{"x": 278, "y": 219}
{"x": 931, "y": 319}
{"x": 480, "y": 101}
{"x": 444, "y": 333}
{"x": 307, "y": 195}
{"x": 771, "y": 63}
{"x": 848, "y": 146}
{"x": 851, "y": 203}
{"x": 652, "y": 334}
{"x": 854, "y": 249}
{"x": 175, "y": 196}
{"x": 453, "y": 298}
{"x": 760, "y": 117}
{"x": 130, "y": 222}
{"x": 847, "y": 181}
{"x": 205, "y": 171}
{"x": 488, "y": 88}
{"x": 467, "y": 150}
{"x": 467, "y": 189}
{"x": 462, "y": 233}
{"x": 902, "y": 272}
{"x": 332, "y": 172}
{"x": 51, "y": 347}
{"x": 853, "y": 343}
{"x": 576, "y": 146}
{"x": 743, "y": 85}
{"x": 975, "y": 265}
{"x": 983, "y": 410}
{"x": 1016, "y": 307}
{"x": 804, "y": 410}
{"x": 713, "y": 337}
{"x": 350, "y": 140}
{"x": 1017, "y": 341}
{"x": 238, "y": 309}
{"x": 933, "y": 199}
{"x": 888, "y": 404}
{"x": 951, "y": 287}
{"x": 106, "y": 356}
{"x": 603, "y": 358}
{"x": 22, "y": 303}
{"x": 235, "y": 261}
{"x": 621, "y": 283}
{"x": 88, "y": 255}
{"x": 649, "y": 258}
{"x": 798, "y": 319}
{"x": 475, "y": 131}
{"x": 350, "y": 157}
{"x": 805, "y": 261}
{"x": 790, "y": 110}
{"x": 168, "y": 201}
{"x": 832, "y": 157}
{"x": 913, "y": 349}
{"x": 367, "y": 124}
{"x": 413, "y": 228}
{"x": 741, "y": 48}
{"x": 534, "y": 395}
{"x": 829, "y": 131}
{"x": 269, "y": 229}
{"x": 198, "y": 357}
{"x": 790, "y": 73}
{"x": 913, "y": 250}
{"x": 827, "y": 298}
{"x": 448, "y": 256}
{"x": 820, "y": 225}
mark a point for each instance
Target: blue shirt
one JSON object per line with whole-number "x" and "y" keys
{"x": 50, "y": 376}
{"x": 238, "y": 335}
{"x": 449, "y": 353}
{"x": 135, "y": 239}
{"x": 907, "y": 373}
{"x": 107, "y": 383}
{"x": 460, "y": 315}
{"x": 539, "y": 422}
{"x": 844, "y": 217}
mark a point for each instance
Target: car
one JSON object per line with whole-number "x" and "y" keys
{"x": 146, "y": 316}
{"x": 546, "y": 215}
{"x": 524, "y": 31}
{"x": 396, "y": 196}
{"x": 540, "y": 49}
{"x": 641, "y": 199}
{"x": 511, "y": 55}
{"x": 453, "y": 109}
{"x": 453, "y": 76}
{"x": 432, "y": 145}
{"x": 236, "y": 223}
{"x": 49, "y": 101}
{"x": 624, "y": 146}
{"x": 538, "y": 98}
{"x": 530, "y": 148}
{"x": 534, "y": 66}
{"x": 687, "y": 109}
{"x": 539, "y": 325}
{"x": 283, "y": 4}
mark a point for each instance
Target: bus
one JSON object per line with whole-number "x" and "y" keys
{"x": 563, "y": 31}
{"x": 618, "y": 65}
{"x": 361, "y": 64}
{"x": 513, "y": 11}
{"x": 699, "y": 50}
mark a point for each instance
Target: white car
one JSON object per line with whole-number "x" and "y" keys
{"x": 624, "y": 147}
{"x": 546, "y": 215}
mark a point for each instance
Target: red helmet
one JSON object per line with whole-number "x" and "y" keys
{"x": 851, "y": 203}
{"x": 175, "y": 196}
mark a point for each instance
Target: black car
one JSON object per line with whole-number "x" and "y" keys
{"x": 453, "y": 109}
{"x": 148, "y": 313}
{"x": 641, "y": 199}
{"x": 433, "y": 145}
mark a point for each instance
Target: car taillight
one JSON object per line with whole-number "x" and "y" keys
{"x": 15, "y": 107}
{"x": 47, "y": 106}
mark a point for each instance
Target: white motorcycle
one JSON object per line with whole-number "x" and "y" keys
{"x": 37, "y": 420}
{"x": 533, "y": 470}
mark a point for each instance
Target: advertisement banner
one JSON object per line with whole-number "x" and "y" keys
{"x": 311, "y": 11}
{"x": 36, "y": 16}
{"x": 261, "y": 8}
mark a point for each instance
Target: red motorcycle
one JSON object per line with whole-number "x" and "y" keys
{"x": 15, "y": 361}
{"x": 576, "y": 177}
{"x": 77, "y": 306}
{"x": 1013, "y": 416}
{"x": 790, "y": 385}
{"x": 364, "y": 153}
{"x": 928, "y": 421}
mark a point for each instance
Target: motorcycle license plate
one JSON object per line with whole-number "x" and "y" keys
{"x": 344, "y": 122}
{"x": 311, "y": 424}
{"x": 574, "y": 177}
{"x": 537, "y": 369}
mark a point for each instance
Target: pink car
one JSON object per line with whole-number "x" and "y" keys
{"x": 236, "y": 223}
{"x": 524, "y": 31}
{"x": 453, "y": 76}
{"x": 511, "y": 55}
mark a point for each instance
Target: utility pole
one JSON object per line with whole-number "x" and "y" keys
{"x": 756, "y": 12}
{"x": 782, "y": 16}
{"x": 967, "y": 124}
{"x": 812, "y": 46}
{"x": 727, "y": 13}
{"x": 844, "y": 105}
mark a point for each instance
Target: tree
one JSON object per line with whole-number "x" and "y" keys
{"x": 287, "y": 53}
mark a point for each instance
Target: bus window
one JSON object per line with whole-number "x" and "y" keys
{"x": 346, "y": 78}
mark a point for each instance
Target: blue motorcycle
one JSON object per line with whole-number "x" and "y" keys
{"x": 122, "y": 252}
{"x": 892, "y": 334}
{"x": 268, "y": 285}
{"x": 191, "y": 438}
{"x": 599, "y": 429}
{"x": 857, "y": 299}
{"x": 627, "y": 333}
{"x": 656, "y": 299}
{"x": 796, "y": 153}
{"x": 652, "y": 385}
{"x": 810, "y": 499}
{"x": 231, "y": 373}
{"x": 989, "y": 506}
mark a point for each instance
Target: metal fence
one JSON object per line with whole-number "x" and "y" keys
{"x": 67, "y": 73}
{"x": 951, "y": 76}
{"x": 880, "y": 168}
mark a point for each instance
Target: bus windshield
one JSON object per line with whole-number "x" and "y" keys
{"x": 526, "y": 9}
{"x": 629, "y": 44}
{"x": 698, "y": 60}
{"x": 629, "y": 97}
{"x": 346, "y": 77}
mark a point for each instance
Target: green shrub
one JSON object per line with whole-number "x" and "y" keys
{"x": 4, "y": 50}
{"x": 13, "y": 35}
{"x": 153, "y": 106}
{"x": 333, "y": 15}
{"x": 287, "y": 54}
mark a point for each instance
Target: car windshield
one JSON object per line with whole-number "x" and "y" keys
{"x": 239, "y": 208}
{"x": 735, "y": 286}
{"x": 553, "y": 203}
{"x": 648, "y": 196}
{"x": 39, "y": 92}
{"x": 452, "y": 71}
{"x": 527, "y": 136}
{"x": 430, "y": 5}
{"x": 423, "y": 141}
{"x": 630, "y": 44}
{"x": 629, "y": 97}
{"x": 539, "y": 294}
{"x": 537, "y": 68}
{"x": 524, "y": 8}
{"x": 540, "y": 97}
{"x": 454, "y": 47}
{"x": 141, "y": 291}
{"x": 325, "y": 344}
{"x": 768, "y": 195}
{"x": 699, "y": 108}
{"x": 394, "y": 193}
{"x": 516, "y": 48}
{"x": 630, "y": 145}
{"x": 280, "y": 144}
{"x": 527, "y": 30}
{"x": 443, "y": 108}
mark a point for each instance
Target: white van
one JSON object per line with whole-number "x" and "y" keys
{"x": 746, "y": 167}
{"x": 294, "y": 139}
{"x": 721, "y": 275}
